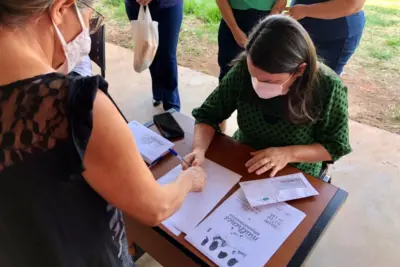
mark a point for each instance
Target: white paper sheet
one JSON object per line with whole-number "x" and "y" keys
{"x": 166, "y": 179}
{"x": 150, "y": 144}
{"x": 279, "y": 189}
{"x": 196, "y": 206}
{"x": 171, "y": 228}
{"x": 237, "y": 235}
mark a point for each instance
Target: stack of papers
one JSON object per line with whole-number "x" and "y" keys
{"x": 274, "y": 190}
{"x": 197, "y": 205}
{"x": 151, "y": 145}
{"x": 237, "y": 235}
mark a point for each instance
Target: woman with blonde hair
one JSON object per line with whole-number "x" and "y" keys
{"x": 64, "y": 175}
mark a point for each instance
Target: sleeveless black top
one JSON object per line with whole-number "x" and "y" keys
{"x": 49, "y": 215}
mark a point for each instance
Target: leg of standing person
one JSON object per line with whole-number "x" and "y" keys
{"x": 228, "y": 49}
{"x": 349, "y": 48}
{"x": 335, "y": 54}
{"x": 132, "y": 11}
{"x": 329, "y": 52}
{"x": 164, "y": 69}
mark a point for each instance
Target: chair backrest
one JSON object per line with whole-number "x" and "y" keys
{"x": 98, "y": 51}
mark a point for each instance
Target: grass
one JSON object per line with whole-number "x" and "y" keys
{"x": 379, "y": 49}
{"x": 380, "y": 46}
{"x": 205, "y": 10}
{"x": 113, "y": 10}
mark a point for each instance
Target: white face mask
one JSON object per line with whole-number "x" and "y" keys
{"x": 77, "y": 48}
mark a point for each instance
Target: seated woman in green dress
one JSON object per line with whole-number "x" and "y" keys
{"x": 291, "y": 108}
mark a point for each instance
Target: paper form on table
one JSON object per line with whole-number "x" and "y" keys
{"x": 236, "y": 234}
{"x": 197, "y": 205}
{"x": 166, "y": 179}
{"x": 150, "y": 144}
{"x": 279, "y": 189}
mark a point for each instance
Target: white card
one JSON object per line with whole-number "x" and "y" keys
{"x": 279, "y": 189}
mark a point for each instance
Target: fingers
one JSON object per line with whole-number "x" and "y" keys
{"x": 256, "y": 152}
{"x": 275, "y": 170}
{"x": 259, "y": 164}
{"x": 197, "y": 163}
{"x": 143, "y": 2}
{"x": 264, "y": 169}
{"x": 190, "y": 158}
{"x": 276, "y": 11}
{"x": 198, "y": 179}
{"x": 193, "y": 159}
{"x": 256, "y": 158}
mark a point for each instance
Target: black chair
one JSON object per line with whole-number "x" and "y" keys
{"x": 98, "y": 55}
{"x": 324, "y": 173}
{"x": 98, "y": 50}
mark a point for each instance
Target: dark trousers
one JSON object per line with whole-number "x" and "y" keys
{"x": 336, "y": 53}
{"x": 228, "y": 49}
{"x": 164, "y": 69}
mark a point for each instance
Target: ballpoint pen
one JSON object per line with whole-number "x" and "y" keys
{"x": 173, "y": 152}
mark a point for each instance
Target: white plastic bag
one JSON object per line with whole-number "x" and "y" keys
{"x": 145, "y": 39}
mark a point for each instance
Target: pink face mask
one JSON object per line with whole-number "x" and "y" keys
{"x": 266, "y": 90}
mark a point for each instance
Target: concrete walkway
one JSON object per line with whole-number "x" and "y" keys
{"x": 366, "y": 231}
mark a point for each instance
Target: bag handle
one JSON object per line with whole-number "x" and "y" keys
{"x": 142, "y": 13}
{"x": 148, "y": 15}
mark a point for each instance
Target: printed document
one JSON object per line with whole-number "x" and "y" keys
{"x": 236, "y": 234}
{"x": 150, "y": 144}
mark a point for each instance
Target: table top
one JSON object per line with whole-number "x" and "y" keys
{"x": 223, "y": 150}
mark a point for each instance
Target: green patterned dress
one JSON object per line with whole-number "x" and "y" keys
{"x": 264, "y": 123}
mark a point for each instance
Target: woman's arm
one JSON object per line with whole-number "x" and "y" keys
{"x": 115, "y": 169}
{"x": 203, "y": 135}
{"x": 216, "y": 108}
{"x": 227, "y": 15}
{"x": 326, "y": 10}
{"x": 308, "y": 153}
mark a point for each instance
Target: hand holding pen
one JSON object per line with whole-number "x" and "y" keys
{"x": 195, "y": 158}
{"x": 196, "y": 172}
{"x": 184, "y": 162}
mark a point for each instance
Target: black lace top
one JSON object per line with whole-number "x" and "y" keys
{"x": 49, "y": 215}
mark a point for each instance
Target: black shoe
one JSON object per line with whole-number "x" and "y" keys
{"x": 156, "y": 103}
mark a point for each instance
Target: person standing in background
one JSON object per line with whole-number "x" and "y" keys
{"x": 335, "y": 26}
{"x": 238, "y": 18}
{"x": 164, "y": 69}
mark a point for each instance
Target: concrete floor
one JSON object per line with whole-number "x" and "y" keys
{"x": 366, "y": 231}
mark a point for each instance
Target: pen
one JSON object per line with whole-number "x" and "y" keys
{"x": 173, "y": 152}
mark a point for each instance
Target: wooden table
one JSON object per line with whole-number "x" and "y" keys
{"x": 175, "y": 251}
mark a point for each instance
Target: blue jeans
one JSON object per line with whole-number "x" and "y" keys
{"x": 164, "y": 69}
{"x": 228, "y": 48}
{"x": 336, "y": 53}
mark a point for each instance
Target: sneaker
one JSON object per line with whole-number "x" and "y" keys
{"x": 156, "y": 103}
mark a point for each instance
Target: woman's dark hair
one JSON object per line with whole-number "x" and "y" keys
{"x": 279, "y": 44}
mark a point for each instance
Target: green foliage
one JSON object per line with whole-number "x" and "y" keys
{"x": 393, "y": 41}
{"x": 115, "y": 3}
{"x": 205, "y": 10}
